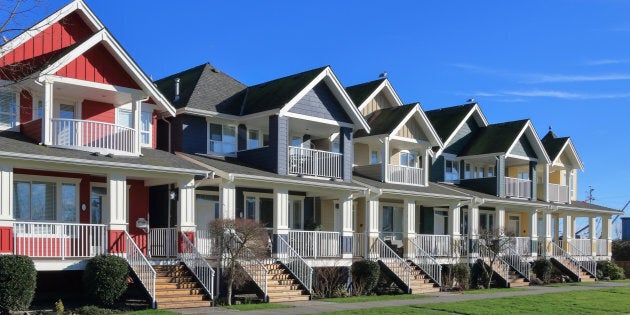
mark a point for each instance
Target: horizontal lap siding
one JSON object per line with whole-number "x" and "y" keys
{"x": 462, "y": 137}
{"x": 321, "y": 103}
{"x": 26, "y": 106}
{"x": 98, "y": 111}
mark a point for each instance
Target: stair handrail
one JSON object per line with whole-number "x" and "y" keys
{"x": 386, "y": 254}
{"x": 574, "y": 264}
{"x": 517, "y": 262}
{"x": 140, "y": 266}
{"x": 296, "y": 264}
{"x": 427, "y": 263}
{"x": 255, "y": 268}
{"x": 586, "y": 261}
{"x": 197, "y": 264}
{"x": 504, "y": 268}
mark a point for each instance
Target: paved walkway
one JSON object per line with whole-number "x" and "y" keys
{"x": 313, "y": 307}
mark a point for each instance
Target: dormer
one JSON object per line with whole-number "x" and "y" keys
{"x": 82, "y": 92}
{"x": 559, "y": 177}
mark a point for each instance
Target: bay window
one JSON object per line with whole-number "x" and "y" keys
{"x": 221, "y": 139}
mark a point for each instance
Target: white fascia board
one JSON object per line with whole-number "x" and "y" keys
{"x": 385, "y": 85}
{"x": 93, "y": 22}
{"x": 577, "y": 209}
{"x": 521, "y": 157}
{"x": 428, "y": 128}
{"x": 287, "y": 107}
{"x": 103, "y": 36}
{"x": 573, "y": 153}
{"x": 478, "y": 156}
{"x": 459, "y": 126}
{"x": 217, "y": 171}
{"x": 532, "y": 136}
{"x": 319, "y": 120}
{"x": 96, "y": 85}
{"x": 205, "y": 113}
{"x": 480, "y": 115}
{"x": 284, "y": 180}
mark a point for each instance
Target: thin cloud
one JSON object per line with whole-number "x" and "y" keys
{"x": 520, "y": 95}
{"x": 548, "y": 78}
{"x": 603, "y": 62}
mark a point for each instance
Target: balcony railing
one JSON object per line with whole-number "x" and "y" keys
{"x": 435, "y": 245}
{"x": 521, "y": 245}
{"x": 405, "y": 175}
{"x": 602, "y": 247}
{"x": 311, "y": 162}
{"x": 581, "y": 247}
{"x": 358, "y": 244}
{"x": 315, "y": 244}
{"x": 59, "y": 240}
{"x": 94, "y": 136}
{"x": 519, "y": 188}
{"x": 558, "y": 193}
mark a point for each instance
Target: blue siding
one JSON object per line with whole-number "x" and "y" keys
{"x": 486, "y": 185}
{"x": 346, "y": 147}
{"x": 321, "y": 103}
{"x": 279, "y": 143}
{"x": 436, "y": 172}
{"x": 193, "y": 131}
{"x": 523, "y": 148}
{"x": 462, "y": 137}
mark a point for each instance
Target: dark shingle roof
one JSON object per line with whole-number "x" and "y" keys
{"x": 431, "y": 189}
{"x": 204, "y": 87}
{"x": 553, "y": 144}
{"x": 384, "y": 121}
{"x": 16, "y": 144}
{"x": 581, "y": 205}
{"x": 494, "y": 138}
{"x": 445, "y": 120}
{"x": 360, "y": 92}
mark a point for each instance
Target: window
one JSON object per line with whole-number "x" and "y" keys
{"x": 296, "y": 141}
{"x": 38, "y": 111}
{"x": 8, "y": 110}
{"x": 125, "y": 118}
{"x": 335, "y": 145}
{"x": 374, "y": 157}
{"x": 206, "y": 209}
{"x": 296, "y": 215}
{"x": 265, "y": 140}
{"x": 514, "y": 225}
{"x": 146, "y": 121}
{"x": 34, "y": 201}
{"x": 408, "y": 159}
{"x": 486, "y": 221}
{"x": 387, "y": 223}
{"x": 467, "y": 174}
{"x": 451, "y": 171}
{"x": 253, "y": 139}
{"x": 523, "y": 174}
{"x": 258, "y": 207}
{"x": 68, "y": 203}
{"x": 221, "y": 139}
{"x": 490, "y": 171}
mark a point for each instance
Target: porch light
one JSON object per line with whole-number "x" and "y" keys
{"x": 173, "y": 194}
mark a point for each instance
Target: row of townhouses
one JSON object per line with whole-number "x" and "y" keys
{"x": 97, "y": 158}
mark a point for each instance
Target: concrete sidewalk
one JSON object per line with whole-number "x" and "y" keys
{"x": 313, "y": 307}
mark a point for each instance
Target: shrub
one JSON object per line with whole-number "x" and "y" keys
{"x": 461, "y": 274}
{"x": 365, "y": 275}
{"x": 18, "y": 278}
{"x": 93, "y": 310}
{"x": 105, "y": 279}
{"x": 542, "y": 269}
{"x": 330, "y": 282}
{"x": 610, "y": 270}
{"x": 478, "y": 276}
{"x": 59, "y": 308}
{"x": 621, "y": 250}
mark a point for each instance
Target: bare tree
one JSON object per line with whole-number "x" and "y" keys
{"x": 497, "y": 242}
{"x": 238, "y": 239}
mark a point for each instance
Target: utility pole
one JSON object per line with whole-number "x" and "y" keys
{"x": 590, "y": 191}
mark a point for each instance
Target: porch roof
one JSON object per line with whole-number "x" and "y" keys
{"x": 17, "y": 146}
{"x": 433, "y": 189}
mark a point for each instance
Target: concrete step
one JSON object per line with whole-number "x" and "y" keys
{"x": 519, "y": 284}
{"x": 285, "y": 293}
{"x": 174, "y": 279}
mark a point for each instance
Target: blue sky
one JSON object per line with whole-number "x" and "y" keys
{"x": 560, "y": 63}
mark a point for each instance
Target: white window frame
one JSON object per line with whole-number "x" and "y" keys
{"x": 407, "y": 154}
{"x": 223, "y": 127}
{"x": 150, "y": 131}
{"x": 255, "y": 196}
{"x": 13, "y": 124}
{"x": 455, "y": 165}
{"x": 58, "y": 181}
{"x": 293, "y": 199}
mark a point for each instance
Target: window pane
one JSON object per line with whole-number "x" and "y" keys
{"x": 42, "y": 201}
{"x": 265, "y": 140}
{"x": 374, "y": 157}
{"x": 8, "y": 110}
{"x": 253, "y": 139}
{"x": 125, "y": 118}
{"x": 229, "y": 148}
{"x": 22, "y": 200}
{"x": 250, "y": 208}
{"x": 229, "y": 134}
{"x": 216, "y": 132}
{"x": 296, "y": 141}
{"x": 68, "y": 203}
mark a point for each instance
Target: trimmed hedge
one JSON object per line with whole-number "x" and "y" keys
{"x": 105, "y": 279}
{"x": 365, "y": 274}
{"x": 18, "y": 278}
{"x": 609, "y": 271}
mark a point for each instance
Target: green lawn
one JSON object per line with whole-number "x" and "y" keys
{"x": 603, "y": 301}
{"x": 373, "y": 298}
{"x": 152, "y": 312}
{"x": 493, "y": 290}
{"x": 256, "y": 306}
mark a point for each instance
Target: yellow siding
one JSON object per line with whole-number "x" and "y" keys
{"x": 554, "y": 177}
{"x": 395, "y": 158}
{"x": 379, "y": 102}
{"x": 328, "y": 215}
{"x": 361, "y": 154}
{"x": 360, "y": 215}
{"x": 412, "y": 130}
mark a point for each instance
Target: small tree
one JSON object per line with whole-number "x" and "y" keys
{"x": 497, "y": 242}
{"x": 237, "y": 238}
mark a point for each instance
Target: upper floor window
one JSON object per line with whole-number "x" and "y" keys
{"x": 523, "y": 174}
{"x": 408, "y": 159}
{"x": 451, "y": 171}
{"x": 490, "y": 171}
{"x": 8, "y": 110}
{"x": 335, "y": 145}
{"x": 253, "y": 139}
{"x": 467, "y": 173}
{"x": 125, "y": 118}
{"x": 374, "y": 157}
{"x": 296, "y": 141}
{"x": 221, "y": 139}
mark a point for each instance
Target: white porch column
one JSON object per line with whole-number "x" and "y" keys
{"x": 346, "y": 226}
{"x": 409, "y": 230}
{"x": 547, "y": 226}
{"x": 425, "y": 166}
{"x": 186, "y": 205}
{"x": 372, "y": 208}
{"x": 385, "y": 158}
{"x": 47, "y": 113}
{"x": 567, "y": 232}
{"x": 473, "y": 228}
{"x": 116, "y": 217}
{"x": 227, "y": 199}
{"x": 546, "y": 182}
{"x": 6, "y": 209}
{"x": 592, "y": 233}
{"x": 501, "y": 219}
{"x": 136, "y": 109}
{"x": 556, "y": 225}
{"x": 280, "y": 218}
{"x": 607, "y": 233}
{"x": 533, "y": 231}
{"x": 454, "y": 214}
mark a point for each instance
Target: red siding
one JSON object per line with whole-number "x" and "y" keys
{"x": 180, "y": 240}
{"x": 97, "y": 111}
{"x": 32, "y": 129}
{"x": 6, "y": 239}
{"x": 26, "y": 107}
{"x": 116, "y": 240}
{"x": 98, "y": 65}
{"x": 64, "y": 33}
{"x": 138, "y": 208}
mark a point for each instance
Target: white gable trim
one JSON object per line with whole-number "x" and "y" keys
{"x": 384, "y": 85}
{"x": 103, "y": 36}
{"x": 424, "y": 123}
{"x": 532, "y": 136}
{"x": 340, "y": 93}
{"x": 480, "y": 116}
{"x": 576, "y": 157}
{"x": 92, "y": 21}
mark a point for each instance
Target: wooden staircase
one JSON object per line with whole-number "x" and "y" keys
{"x": 419, "y": 282}
{"x": 514, "y": 279}
{"x": 176, "y": 287}
{"x": 282, "y": 286}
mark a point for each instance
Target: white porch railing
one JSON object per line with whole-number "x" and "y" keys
{"x": 602, "y": 247}
{"x": 311, "y": 162}
{"x": 358, "y": 245}
{"x": 428, "y": 264}
{"x": 315, "y": 244}
{"x": 94, "y": 136}
{"x": 207, "y": 244}
{"x": 405, "y": 175}
{"x": 519, "y": 188}
{"x": 435, "y": 245}
{"x": 580, "y": 247}
{"x": 390, "y": 258}
{"x": 558, "y": 193}
{"x": 162, "y": 242}
{"x": 296, "y": 264}
{"x": 521, "y": 245}
{"x": 59, "y": 240}
{"x": 140, "y": 266}
{"x": 197, "y": 264}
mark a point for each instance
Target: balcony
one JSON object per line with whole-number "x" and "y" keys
{"x": 59, "y": 240}
{"x": 94, "y": 136}
{"x": 312, "y": 162}
{"x": 518, "y": 188}
{"x": 400, "y": 174}
{"x": 558, "y": 193}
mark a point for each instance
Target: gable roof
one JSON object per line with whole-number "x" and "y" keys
{"x": 384, "y": 121}
{"x": 204, "y": 87}
{"x": 363, "y": 93}
{"x": 446, "y": 121}
{"x": 555, "y": 145}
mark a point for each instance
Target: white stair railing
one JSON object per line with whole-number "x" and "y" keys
{"x": 197, "y": 264}
{"x": 396, "y": 264}
{"x": 140, "y": 266}
{"x": 516, "y": 261}
{"x": 565, "y": 258}
{"x": 500, "y": 267}
{"x": 585, "y": 259}
{"x": 295, "y": 263}
{"x": 427, "y": 263}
